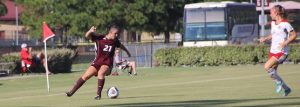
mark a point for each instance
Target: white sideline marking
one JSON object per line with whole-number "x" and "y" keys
{"x": 150, "y": 86}
{"x": 20, "y": 77}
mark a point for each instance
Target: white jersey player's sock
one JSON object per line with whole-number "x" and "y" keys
{"x": 274, "y": 75}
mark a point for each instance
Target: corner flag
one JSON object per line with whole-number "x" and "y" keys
{"x": 47, "y": 33}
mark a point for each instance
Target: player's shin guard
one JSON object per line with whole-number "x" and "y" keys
{"x": 274, "y": 75}
{"x": 78, "y": 84}
{"x": 100, "y": 86}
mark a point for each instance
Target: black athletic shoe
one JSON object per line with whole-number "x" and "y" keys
{"x": 68, "y": 94}
{"x": 97, "y": 97}
{"x": 287, "y": 92}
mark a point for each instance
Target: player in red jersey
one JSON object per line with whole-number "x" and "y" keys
{"x": 103, "y": 63}
{"x": 26, "y": 57}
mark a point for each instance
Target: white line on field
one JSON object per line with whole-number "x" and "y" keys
{"x": 150, "y": 86}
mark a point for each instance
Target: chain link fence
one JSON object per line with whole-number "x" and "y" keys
{"x": 141, "y": 53}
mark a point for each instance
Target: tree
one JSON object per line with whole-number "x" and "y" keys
{"x": 166, "y": 17}
{"x": 75, "y": 16}
{"x": 159, "y": 16}
{"x": 3, "y": 9}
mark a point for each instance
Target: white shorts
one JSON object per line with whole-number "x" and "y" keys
{"x": 23, "y": 64}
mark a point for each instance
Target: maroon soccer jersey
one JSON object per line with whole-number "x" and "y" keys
{"x": 105, "y": 49}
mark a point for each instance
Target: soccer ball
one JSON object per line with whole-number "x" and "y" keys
{"x": 112, "y": 92}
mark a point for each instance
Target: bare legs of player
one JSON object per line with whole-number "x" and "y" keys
{"x": 271, "y": 67}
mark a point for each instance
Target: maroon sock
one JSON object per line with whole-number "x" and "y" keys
{"x": 78, "y": 84}
{"x": 100, "y": 86}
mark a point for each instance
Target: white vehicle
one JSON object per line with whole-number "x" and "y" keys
{"x": 219, "y": 24}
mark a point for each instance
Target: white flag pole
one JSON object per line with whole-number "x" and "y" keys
{"x": 46, "y": 66}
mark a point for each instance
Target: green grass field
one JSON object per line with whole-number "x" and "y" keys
{"x": 247, "y": 85}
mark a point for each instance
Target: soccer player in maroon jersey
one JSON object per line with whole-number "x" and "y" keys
{"x": 103, "y": 62}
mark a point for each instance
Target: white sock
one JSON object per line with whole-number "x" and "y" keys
{"x": 275, "y": 76}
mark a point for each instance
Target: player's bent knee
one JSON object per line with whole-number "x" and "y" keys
{"x": 266, "y": 69}
{"x": 108, "y": 72}
{"x": 267, "y": 66}
{"x": 102, "y": 74}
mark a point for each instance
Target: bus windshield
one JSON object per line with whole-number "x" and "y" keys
{"x": 205, "y": 24}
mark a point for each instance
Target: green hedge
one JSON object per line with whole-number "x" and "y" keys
{"x": 59, "y": 61}
{"x": 220, "y": 55}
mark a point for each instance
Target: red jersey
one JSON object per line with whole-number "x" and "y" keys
{"x": 105, "y": 49}
{"x": 24, "y": 56}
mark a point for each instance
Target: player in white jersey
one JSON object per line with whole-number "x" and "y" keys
{"x": 282, "y": 33}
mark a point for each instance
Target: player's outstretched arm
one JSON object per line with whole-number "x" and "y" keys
{"x": 125, "y": 49}
{"x": 88, "y": 33}
{"x": 264, "y": 39}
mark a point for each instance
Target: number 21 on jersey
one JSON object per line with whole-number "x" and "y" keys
{"x": 107, "y": 48}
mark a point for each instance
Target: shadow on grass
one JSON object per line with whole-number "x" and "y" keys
{"x": 205, "y": 103}
{"x": 146, "y": 97}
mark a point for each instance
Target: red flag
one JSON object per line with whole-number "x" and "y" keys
{"x": 47, "y": 33}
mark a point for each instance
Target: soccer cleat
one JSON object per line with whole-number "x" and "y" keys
{"x": 278, "y": 87}
{"x": 68, "y": 94}
{"x": 97, "y": 97}
{"x": 287, "y": 92}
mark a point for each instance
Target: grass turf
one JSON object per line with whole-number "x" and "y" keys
{"x": 246, "y": 85}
